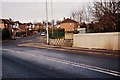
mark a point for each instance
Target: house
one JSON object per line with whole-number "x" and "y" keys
{"x": 7, "y": 23}
{"x": 22, "y": 27}
{"x": 38, "y": 26}
{"x": 69, "y": 24}
{"x": 2, "y": 25}
{"x": 30, "y": 26}
{"x": 82, "y": 27}
{"x": 57, "y": 26}
{"x": 15, "y": 28}
{"x": 70, "y": 27}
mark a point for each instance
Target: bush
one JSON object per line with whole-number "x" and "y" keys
{"x": 20, "y": 34}
{"x": 6, "y": 34}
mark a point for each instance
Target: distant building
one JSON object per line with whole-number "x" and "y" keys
{"x": 45, "y": 25}
{"x": 38, "y": 26}
{"x": 70, "y": 27}
{"x": 82, "y": 28}
{"x": 69, "y": 24}
{"x": 57, "y": 26}
{"x": 16, "y": 26}
{"x": 30, "y": 26}
{"x": 7, "y": 23}
{"x": 23, "y": 27}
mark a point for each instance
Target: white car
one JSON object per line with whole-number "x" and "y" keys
{"x": 43, "y": 34}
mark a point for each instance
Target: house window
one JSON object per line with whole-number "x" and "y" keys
{"x": 6, "y": 25}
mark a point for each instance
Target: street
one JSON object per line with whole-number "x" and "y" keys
{"x": 26, "y": 62}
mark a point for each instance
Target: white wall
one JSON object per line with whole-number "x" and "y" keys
{"x": 108, "y": 41}
{"x": 69, "y": 35}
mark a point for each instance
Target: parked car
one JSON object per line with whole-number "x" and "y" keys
{"x": 43, "y": 34}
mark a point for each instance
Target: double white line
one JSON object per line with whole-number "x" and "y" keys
{"x": 80, "y": 65}
{"x": 93, "y": 68}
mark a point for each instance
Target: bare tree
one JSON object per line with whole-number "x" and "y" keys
{"x": 58, "y": 22}
{"x": 105, "y": 7}
{"x": 78, "y": 15}
{"x": 73, "y": 14}
{"x": 107, "y": 12}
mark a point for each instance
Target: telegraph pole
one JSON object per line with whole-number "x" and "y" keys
{"x": 47, "y": 24}
{"x": 52, "y": 18}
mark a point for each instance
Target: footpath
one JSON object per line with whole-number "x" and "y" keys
{"x": 42, "y": 45}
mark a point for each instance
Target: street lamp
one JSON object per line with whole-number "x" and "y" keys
{"x": 71, "y": 26}
{"x": 47, "y": 23}
{"x": 52, "y": 18}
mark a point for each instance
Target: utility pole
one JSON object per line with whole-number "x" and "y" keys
{"x": 47, "y": 24}
{"x": 52, "y": 18}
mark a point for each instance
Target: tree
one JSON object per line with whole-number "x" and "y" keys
{"x": 6, "y": 34}
{"x": 107, "y": 13}
{"x": 58, "y": 21}
{"x": 78, "y": 15}
{"x": 104, "y": 7}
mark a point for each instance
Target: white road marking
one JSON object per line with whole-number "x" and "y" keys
{"x": 80, "y": 65}
{"x": 93, "y": 68}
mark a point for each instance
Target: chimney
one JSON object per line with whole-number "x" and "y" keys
{"x": 10, "y": 19}
{"x": 64, "y": 18}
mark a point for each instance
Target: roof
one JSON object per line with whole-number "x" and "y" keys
{"x": 68, "y": 21}
{"x": 7, "y": 21}
{"x": 38, "y": 23}
{"x": 18, "y": 22}
{"x": 27, "y": 24}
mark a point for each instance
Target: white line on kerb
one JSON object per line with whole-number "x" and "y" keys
{"x": 80, "y": 65}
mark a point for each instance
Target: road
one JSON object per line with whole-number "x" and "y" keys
{"x": 26, "y": 62}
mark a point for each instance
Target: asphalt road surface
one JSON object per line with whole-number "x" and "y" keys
{"x": 25, "y": 62}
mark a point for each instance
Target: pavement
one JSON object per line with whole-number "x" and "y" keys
{"x": 36, "y": 43}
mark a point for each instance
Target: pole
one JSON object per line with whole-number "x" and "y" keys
{"x": 47, "y": 23}
{"x": 52, "y": 18}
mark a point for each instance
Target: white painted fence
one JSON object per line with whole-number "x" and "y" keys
{"x": 61, "y": 42}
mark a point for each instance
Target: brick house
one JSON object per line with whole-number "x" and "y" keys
{"x": 22, "y": 27}
{"x": 69, "y": 24}
{"x": 7, "y": 23}
{"x": 2, "y": 25}
{"x": 38, "y": 26}
{"x": 16, "y": 28}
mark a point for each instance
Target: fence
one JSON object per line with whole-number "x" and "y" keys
{"x": 57, "y": 33}
{"x": 61, "y": 42}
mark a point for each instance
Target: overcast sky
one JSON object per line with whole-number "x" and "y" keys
{"x": 29, "y": 10}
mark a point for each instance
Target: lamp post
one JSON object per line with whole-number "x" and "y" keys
{"x": 71, "y": 26}
{"x": 47, "y": 24}
{"x": 52, "y": 18}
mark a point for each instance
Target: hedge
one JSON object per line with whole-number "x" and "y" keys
{"x": 57, "y": 33}
{"x": 6, "y": 34}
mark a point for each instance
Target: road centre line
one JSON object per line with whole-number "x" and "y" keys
{"x": 80, "y": 65}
